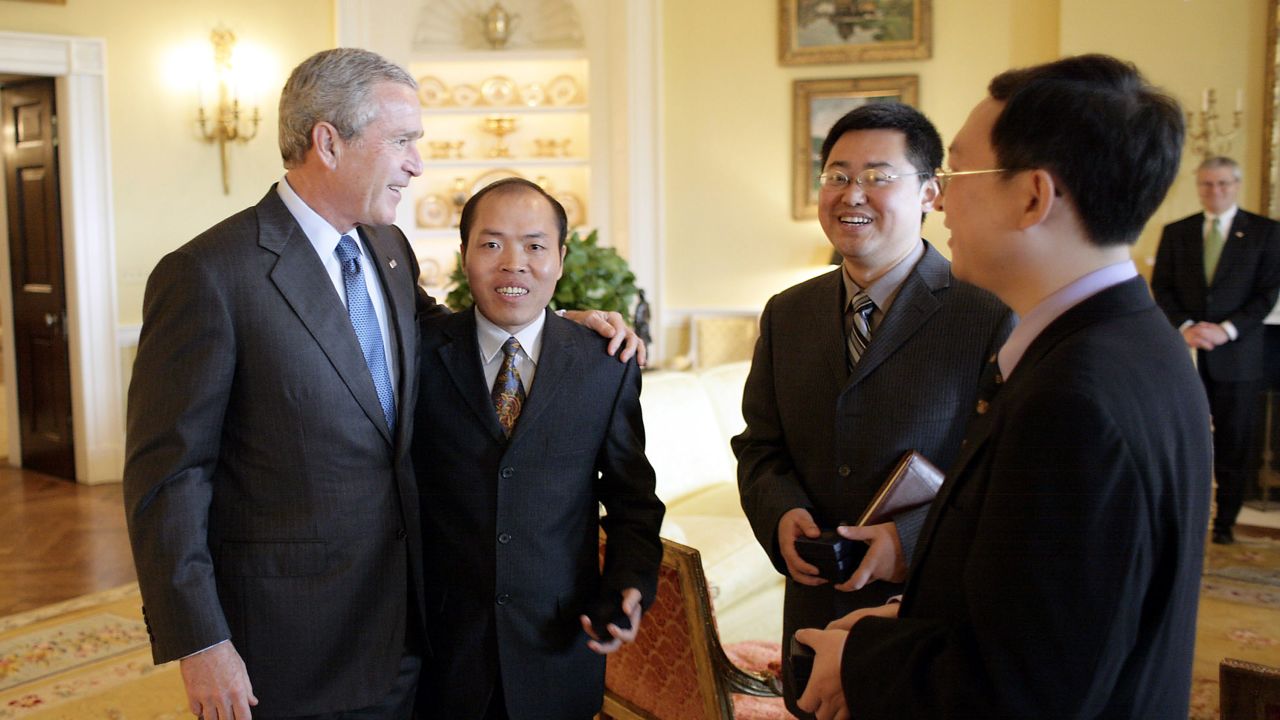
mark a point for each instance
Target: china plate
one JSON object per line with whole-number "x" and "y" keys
{"x": 533, "y": 94}
{"x": 465, "y": 95}
{"x": 498, "y": 90}
{"x": 433, "y": 212}
{"x": 432, "y": 92}
{"x": 573, "y": 210}
{"x": 563, "y": 90}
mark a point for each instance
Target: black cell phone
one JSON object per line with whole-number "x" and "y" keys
{"x": 801, "y": 658}
{"x": 835, "y": 557}
{"x": 607, "y": 610}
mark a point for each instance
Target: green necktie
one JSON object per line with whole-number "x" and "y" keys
{"x": 1213, "y": 243}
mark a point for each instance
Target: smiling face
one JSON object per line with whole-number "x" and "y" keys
{"x": 979, "y": 209}
{"x": 874, "y": 228}
{"x": 375, "y": 166}
{"x": 512, "y": 258}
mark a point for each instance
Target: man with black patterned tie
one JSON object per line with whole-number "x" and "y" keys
{"x": 1216, "y": 277}
{"x": 512, "y": 473}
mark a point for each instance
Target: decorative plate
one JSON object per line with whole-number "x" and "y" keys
{"x": 563, "y": 90}
{"x": 432, "y": 92}
{"x": 433, "y": 212}
{"x": 491, "y": 176}
{"x": 498, "y": 90}
{"x": 533, "y": 94}
{"x": 465, "y": 95}
{"x": 574, "y": 212}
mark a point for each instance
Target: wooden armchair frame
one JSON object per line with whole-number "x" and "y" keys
{"x": 1248, "y": 691}
{"x": 677, "y": 669}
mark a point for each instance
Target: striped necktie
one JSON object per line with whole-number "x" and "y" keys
{"x": 860, "y": 330}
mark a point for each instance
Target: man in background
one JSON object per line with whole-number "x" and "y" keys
{"x": 858, "y": 366}
{"x": 1216, "y": 277}
{"x": 1058, "y": 572}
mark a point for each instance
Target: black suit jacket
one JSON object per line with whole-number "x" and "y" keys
{"x": 1243, "y": 289}
{"x": 266, "y": 501}
{"x": 820, "y": 438}
{"x": 512, "y": 525}
{"x": 1058, "y": 572}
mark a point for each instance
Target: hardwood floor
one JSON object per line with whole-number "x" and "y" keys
{"x": 58, "y": 539}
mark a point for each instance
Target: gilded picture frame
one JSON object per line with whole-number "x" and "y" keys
{"x": 847, "y": 31}
{"x": 1271, "y": 116}
{"x": 816, "y": 105}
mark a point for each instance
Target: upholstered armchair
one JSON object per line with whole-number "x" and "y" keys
{"x": 676, "y": 669}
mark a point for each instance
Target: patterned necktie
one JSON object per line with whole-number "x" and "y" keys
{"x": 1213, "y": 243}
{"x": 508, "y": 391}
{"x": 860, "y": 331}
{"x": 365, "y": 323}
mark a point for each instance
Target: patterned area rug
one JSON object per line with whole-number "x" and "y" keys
{"x": 1239, "y": 614}
{"x": 85, "y": 659}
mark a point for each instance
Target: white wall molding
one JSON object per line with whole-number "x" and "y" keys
{"x": 88, "y": 231}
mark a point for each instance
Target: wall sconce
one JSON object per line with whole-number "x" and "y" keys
{"x": 222, "y": 122}
{"x": 1205, "y": 136}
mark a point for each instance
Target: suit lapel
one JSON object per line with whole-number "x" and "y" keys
{"x": 913, "y": 306}
{"x": 461, "y": 357}
{"x": 393, "y": 269}
{"x": 831, "y": 341}
{"x": 301, "y": 278}
{"x": 557, "y": 360}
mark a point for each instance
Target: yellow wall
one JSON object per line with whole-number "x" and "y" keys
{"x": 166, "y": 183}
{"x": 731, "y": 241}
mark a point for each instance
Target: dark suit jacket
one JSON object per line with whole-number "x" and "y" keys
{"x": 1058, "y": 572}
{"x": 512, "y": 525}
{"x": 1243, "y": 290}
{"x": 820, "y": 438}
{"x": 266, "y": 501}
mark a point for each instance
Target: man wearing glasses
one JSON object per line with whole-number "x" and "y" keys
{"x": 855, "y": 367}
{"x": 1216, "y": 278}
{"x": 1058, "y": 572}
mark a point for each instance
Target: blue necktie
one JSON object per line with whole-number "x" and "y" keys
{"x": 365, "y": 323}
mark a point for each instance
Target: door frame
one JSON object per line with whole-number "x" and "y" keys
{"x": 78, "y": 66}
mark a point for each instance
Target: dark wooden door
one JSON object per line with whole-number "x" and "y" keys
{"x": 36, "y": 267}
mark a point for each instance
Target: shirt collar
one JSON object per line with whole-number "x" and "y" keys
{"x": 885, "y": 287}
{"x": 318, "y": 230}
{"x": 1228, "y": 216}
{"x": 492, "y": 337}
{"x": 1052, "y": 307}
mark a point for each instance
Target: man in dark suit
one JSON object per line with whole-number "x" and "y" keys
{"x": 512, "y": 474}
{"x": 1058, "y": 572}
{"x": 824, "y": 428}
{"x": 268, "y": 487}
{"x": 1216, "y": 277}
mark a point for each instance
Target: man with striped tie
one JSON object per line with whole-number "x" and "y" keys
{"x": 857, "y": 366}
{"x": 1216, "y": 277}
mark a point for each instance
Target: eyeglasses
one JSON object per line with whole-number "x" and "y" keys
{"x": 944, "y": 178}
{"x": 869, "y": 179}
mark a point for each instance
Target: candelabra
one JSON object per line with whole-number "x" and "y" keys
{"x": 223, "y": 123}
{"x": 1204, "y": 135}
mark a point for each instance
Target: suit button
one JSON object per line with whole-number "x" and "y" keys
{"x": 504, "y": 538}
{"x": 507, "y": 472}
{"x": 503, "y": 599}
{"x": 401, "y": 534}
{"x": 844, "y": 470}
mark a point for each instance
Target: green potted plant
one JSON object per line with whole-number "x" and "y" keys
{"x": 595, "y": 278}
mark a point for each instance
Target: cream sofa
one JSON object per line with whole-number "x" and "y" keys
{"x": 689, "y": 418}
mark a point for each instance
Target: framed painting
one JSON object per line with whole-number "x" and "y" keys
{"x": 816, "y": 106}
{"x": 848, "y": 31}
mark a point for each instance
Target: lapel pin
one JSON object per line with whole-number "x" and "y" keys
{"x": 1239, "y": 233}
{"x": 392, "y": 263}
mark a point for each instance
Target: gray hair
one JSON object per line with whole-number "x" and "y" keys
{"x": 1221, "y": 161}
{"x": 333, "y": 86}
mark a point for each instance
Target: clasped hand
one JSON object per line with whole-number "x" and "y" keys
{"x": 883, "y": 561}
{"x": 630, "y": 606}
